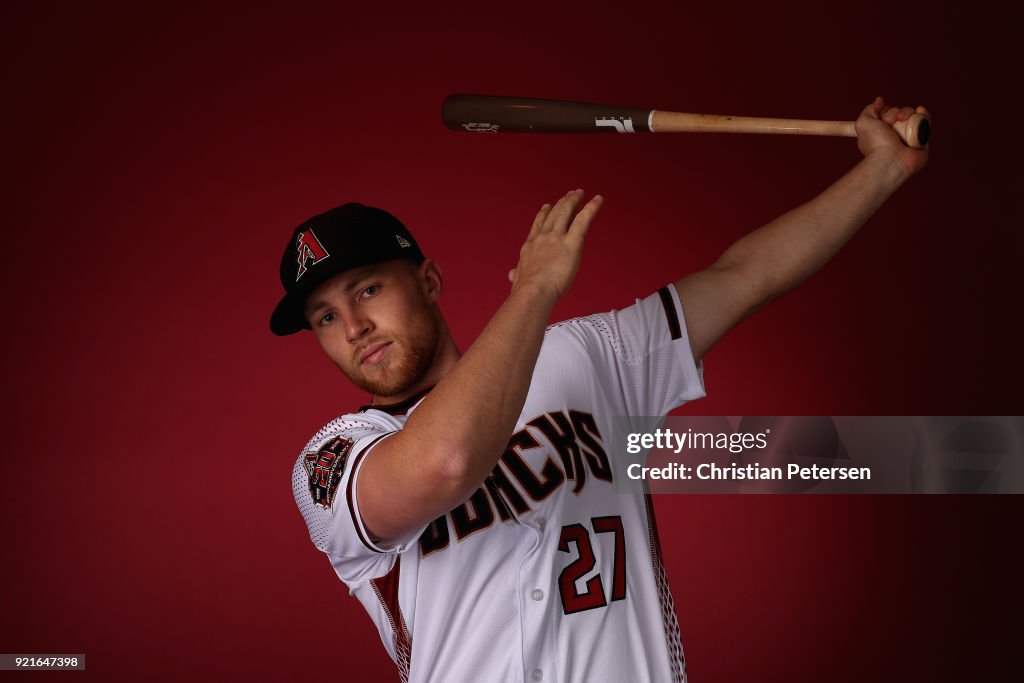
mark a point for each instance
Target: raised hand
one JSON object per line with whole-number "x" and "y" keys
{"x": 550, "y": 258}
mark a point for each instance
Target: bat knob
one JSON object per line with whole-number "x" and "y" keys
{"x": 915, "y": 131}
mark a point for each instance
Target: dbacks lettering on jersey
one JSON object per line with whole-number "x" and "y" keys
{"x": 325, "y": 468}
{"x": 576, "y": 440}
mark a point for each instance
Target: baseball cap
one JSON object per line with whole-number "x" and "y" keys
{"x": 346, "y": 237}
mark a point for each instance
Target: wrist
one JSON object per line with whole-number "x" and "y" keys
{"x": 888, "y": 164}
{"x": 536, "y": 292}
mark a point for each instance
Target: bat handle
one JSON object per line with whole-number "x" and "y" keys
{"x": 915, "y": 131}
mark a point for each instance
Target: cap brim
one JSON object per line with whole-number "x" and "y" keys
{"x": 287, "y": 317}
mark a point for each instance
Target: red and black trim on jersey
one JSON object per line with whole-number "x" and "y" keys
{"x": 350, "y": 492}
{"x": 673, "y": 641}
{"x": 670, "y": 313}
{"x": 400, "y": 408}
{"x": 386, "y": 590}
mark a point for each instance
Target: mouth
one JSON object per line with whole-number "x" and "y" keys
{"x": 375, "y": 353}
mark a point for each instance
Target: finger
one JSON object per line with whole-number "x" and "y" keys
{"x": 922, "y": 110}
{"x": 873, "y": 109}
{"x": 889, "y": 115}
{"x": 549, "y": 217}
{"x": 539, "y": 220}
{"x": 558, "y": 219}
{"x": 905, "y": 113}
{"x": 581, "y": 224}
{"x": 512, "y": 276}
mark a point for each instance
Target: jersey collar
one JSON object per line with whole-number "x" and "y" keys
{"x": 400, "y": 408}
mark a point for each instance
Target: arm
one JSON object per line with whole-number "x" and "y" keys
{"x": 770, "y": 261}
{"x": 454, "y": 438}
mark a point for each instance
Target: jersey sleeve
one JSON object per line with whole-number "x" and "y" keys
{"x": 641, "y": 355}
{"x": 324, "y": 481}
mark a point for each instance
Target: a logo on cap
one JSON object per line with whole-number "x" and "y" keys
{"x": 402, "y": 242}
{"x": 310, "y": 251}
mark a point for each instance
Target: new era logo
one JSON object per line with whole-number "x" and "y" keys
{"x": 402, "y": 242}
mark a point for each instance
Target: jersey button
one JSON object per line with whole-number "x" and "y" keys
{"x": 537, "y": 674}
{"x": 538, "y": 595}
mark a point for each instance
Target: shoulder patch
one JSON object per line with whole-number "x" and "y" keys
{"x": 325, "y": 468}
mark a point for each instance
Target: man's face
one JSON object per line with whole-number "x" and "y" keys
{"x": 377, "y": 324}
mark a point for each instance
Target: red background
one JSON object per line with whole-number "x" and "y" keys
{"x": 156, "y": 160}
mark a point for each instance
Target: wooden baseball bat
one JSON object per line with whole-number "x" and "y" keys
{"x": 491, "y": 114}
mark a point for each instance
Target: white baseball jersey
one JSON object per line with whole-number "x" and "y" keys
{"x": 547, "y": 573}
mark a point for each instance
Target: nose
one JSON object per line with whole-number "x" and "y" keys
{"x": 357, "y": 324}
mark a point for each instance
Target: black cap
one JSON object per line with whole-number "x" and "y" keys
{"x": 343, "y": 238}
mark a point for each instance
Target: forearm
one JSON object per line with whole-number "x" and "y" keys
{"x": 454, "y": 438}
{"x": 791, "y": 248}
{"x": 465, "y": 422}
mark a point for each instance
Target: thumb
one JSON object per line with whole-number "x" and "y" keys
{"x": 874, "y": 110}
{"x": 512, "y": 276}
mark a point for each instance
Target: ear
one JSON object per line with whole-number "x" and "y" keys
{"x": 431, "y": 279}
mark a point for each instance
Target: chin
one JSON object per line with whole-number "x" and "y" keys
{"x": 389, "y": 378}
{"x": 387, "y": 386}
{"x": 408, "y": 364}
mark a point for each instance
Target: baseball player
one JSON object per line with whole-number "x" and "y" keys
{"x": 472, "y": 506}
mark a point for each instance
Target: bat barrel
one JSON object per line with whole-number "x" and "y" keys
{"x": 487, "y": 114}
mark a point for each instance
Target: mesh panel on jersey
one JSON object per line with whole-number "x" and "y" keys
{"x": 673, "y": 639}
{"x": 386, "y": 590}
{"x": 319, "y": 520}
{"x": 649, "y": 382}
{"x": 624, "y": 346}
